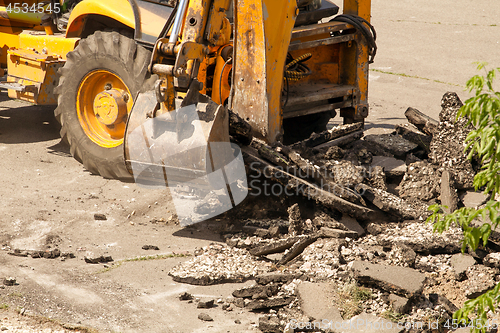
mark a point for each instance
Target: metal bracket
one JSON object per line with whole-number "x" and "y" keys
{"x": 188, "y": 51}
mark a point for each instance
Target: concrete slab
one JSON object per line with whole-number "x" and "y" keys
{"x": 317, "y": 301}
{"x": 400, "y": 280}
{"x": 395, "y": 144}
{"x": 393, "y": 167}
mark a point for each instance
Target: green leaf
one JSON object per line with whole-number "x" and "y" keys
{"x": 482, "y": 144}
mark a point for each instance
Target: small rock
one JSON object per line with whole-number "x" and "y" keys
{"x": 403, "y": 254}
{"x": 262, "y": 233}
{"x": 492, "y": 260}
{"x": 364, "y": 156}
{"x": 100, "y": 217}
{"x": 205, "y": 304}
{"x": 347, "y": 174}
{"x": 374, "y": 229}
{"x": 393, "y": 167}
{"x": 232, "y": 242}
{"x": 96, "y": 260}
{"x": 335, "y": 153}
{"x": 269, "y": 303}
{"x": 437, "y": 299}
{"x": 322, "y": 219}
{"x": 410, "y": 158}
{"x": 205, "y": 317}
{"x": 239, "y": 302}
{"x": 274, "y": 231}
{"x": 9, "y": 281}
{"x": 474, "y": 199}
{"x": 460, "y": 263}
{"x": 399, "y": 304}
{"x": 185, "y": 296}
{"x": 237, "y": 321}
{"x": 150, "y": 247}
{"x": 54, "y": 253}
{"x": 269, "y": 324}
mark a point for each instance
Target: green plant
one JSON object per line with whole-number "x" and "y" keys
{"x": 482, "y": 112}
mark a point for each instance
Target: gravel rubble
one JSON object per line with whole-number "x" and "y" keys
{"x": 219, "y": 263}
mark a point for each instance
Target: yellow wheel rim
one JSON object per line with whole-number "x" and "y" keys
{"x": 103, "y": 103}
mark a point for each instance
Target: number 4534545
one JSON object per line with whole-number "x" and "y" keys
{"x": 35, "y": 8}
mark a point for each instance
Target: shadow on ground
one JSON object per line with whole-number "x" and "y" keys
{"x": 24, "y": 123}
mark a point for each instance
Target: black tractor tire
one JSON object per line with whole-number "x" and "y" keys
{"x": 113, "y": 53}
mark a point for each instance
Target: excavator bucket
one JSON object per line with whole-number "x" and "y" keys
{"x": 187, "y": 151}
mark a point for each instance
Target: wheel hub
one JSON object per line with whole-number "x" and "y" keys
{"x": 110, "y": 106}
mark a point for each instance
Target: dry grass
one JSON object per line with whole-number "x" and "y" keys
{"x": 349, "y": 299}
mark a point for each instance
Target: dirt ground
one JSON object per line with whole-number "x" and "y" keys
{"x": 425, "y": 48}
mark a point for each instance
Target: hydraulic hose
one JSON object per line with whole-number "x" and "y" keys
{"x": 365, "y": 28}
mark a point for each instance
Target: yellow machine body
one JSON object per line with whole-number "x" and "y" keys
{"x": 236, "y": 52}
{"x": 258, "y": 76}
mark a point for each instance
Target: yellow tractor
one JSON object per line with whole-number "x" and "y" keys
{"x": 282, "y": 66}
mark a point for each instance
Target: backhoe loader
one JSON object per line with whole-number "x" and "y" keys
{"x": 146, "y": 87}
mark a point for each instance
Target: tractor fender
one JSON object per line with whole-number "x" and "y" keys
{"x": 122, "y": 11}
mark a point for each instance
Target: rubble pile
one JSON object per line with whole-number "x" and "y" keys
{"x": 356, "y": 245}
{"x": 218, "y": 264}
{"x": 448, "y": 145}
